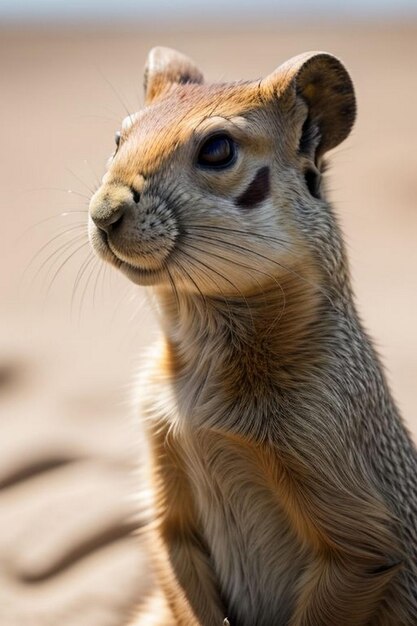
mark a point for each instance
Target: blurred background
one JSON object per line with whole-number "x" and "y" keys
{"x": 74, "y": 333}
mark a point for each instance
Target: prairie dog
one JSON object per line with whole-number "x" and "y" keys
{"x": 285, "y": 481}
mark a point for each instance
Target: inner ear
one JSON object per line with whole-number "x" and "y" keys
{"x": 166, "y": 67}
{"x": 309, "y": 142}
{"x": 310, "y": 139}
{"x": 312, "y": 178}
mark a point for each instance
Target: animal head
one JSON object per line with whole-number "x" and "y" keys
{"x": 215, "y": 188}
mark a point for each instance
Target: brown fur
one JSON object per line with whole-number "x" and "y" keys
{"x": 285, "y": 483}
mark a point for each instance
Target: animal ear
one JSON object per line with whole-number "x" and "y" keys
{"x": 323, "y": 84}
{"x": 165, "y": 67}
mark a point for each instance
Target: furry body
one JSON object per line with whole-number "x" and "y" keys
{"x": 285, "y": 481}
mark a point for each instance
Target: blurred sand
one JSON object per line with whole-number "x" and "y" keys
{"x": 67, "y": 357}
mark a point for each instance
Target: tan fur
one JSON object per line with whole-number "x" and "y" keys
{"x": 285, "y": 483}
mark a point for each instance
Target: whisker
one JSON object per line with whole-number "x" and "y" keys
{"x": 83, "y": 267}
{"x": 80, "y": 180}
{"x": 203, "y": 297}
{"x": 205, "y": 273}
{"x": 232, "y": 245}
{"x": 174, "y": 288}
{"x": 220, "y": 242}
{"x": 234, "y": 261}
{"x": 248, "y": 267}
{"x": 70, "y": 256}
{"x": 245, "y": 233}
{"x": 72, "y": 192}
{"x": 52, "y": 258}
{"x": 105, "y": 277}
{"x": 227, "y": 280}
{"x": 93, "y": 263}
{"x": 96, "y": 282}
{"x": 119, "y": 303}
{"x": 48, "y": 219}
{"x": 99, "y": 116}
{"x": 116, "y": 93}
{"x": 47, "y": 244}
{"x": 284, "y": 300}
{"x": 94, "y": 173}
{"x": 280, "y": 315}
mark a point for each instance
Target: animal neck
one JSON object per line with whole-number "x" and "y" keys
{"x": 231, "y": 363}
{"x": 257, "y": 341}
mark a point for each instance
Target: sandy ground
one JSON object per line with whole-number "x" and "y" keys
{"x": 72, "y": 334}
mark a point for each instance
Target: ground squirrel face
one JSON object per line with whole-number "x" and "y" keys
{"x": 206, "y": 182}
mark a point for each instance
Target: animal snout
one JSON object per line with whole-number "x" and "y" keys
{"x": 108, "y": 209}
{"x": 108, "y": 222}
{"x": 140, "y": 229}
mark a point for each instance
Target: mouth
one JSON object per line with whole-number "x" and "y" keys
{"x": 138, "y": 275}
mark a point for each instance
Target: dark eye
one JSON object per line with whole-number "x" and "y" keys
{"x": 117, "y": 138}
{"x": 217, "y": 152}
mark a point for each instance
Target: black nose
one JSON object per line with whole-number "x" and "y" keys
{"x": 108, "y": 222}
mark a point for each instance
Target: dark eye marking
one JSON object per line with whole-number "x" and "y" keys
{"x": 257, "y": 190}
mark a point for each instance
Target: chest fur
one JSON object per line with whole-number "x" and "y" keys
{"x": 256, "y": 554}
